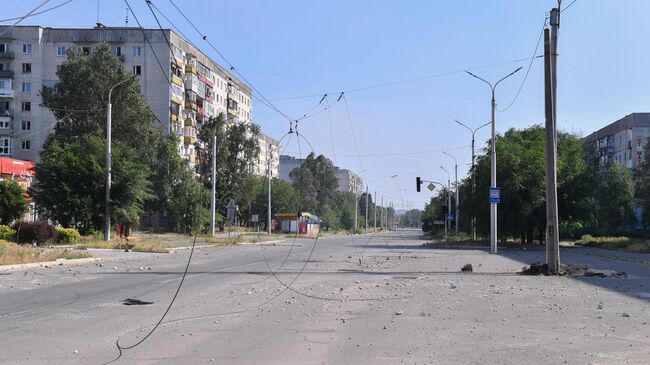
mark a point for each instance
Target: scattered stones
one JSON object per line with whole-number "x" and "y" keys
{"x": 399, "y": 313}
{"x": 625, "y": 315}
{"x": 467, "y": 268}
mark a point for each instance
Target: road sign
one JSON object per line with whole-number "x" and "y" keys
{"x": 450, "y": 216}
{"x": 495, "y": 196}
{"x": 431, "y": 186}
{"x": 255, "y": 218}
{"x": 439, "y": 223}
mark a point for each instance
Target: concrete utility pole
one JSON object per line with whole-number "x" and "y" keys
{"x": 447, "y": 226}
{"x": 356, "y": 211}
{"x": 493, "y": 167}
{"x": 213, "y": 200}
{"x": 109, "y": 121}
{"x": 473, "y": 131}
{"x": 366, "y": 208}
{"x": 550, "y": 86}
{"x": 382, "y": 215}
{"x": 457, "y": 217}
{"x": 375, "y": 211}
{"x": 268, "y": 209}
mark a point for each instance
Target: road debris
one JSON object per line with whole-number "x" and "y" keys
{"x": 467, "y": 268}
{"x": 131, "y": 301}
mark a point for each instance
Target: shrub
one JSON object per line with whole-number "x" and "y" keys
{"x": 6, "y": 233}
{"x": 39, "y": 232}
{"x": 68, "y": 236}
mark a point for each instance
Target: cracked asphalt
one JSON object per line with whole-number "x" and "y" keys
{"x": 373, "y": 299}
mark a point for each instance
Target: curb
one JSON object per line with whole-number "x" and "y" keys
{"x": 172, "y": 249}
{"x": 49, "y": 263}
{"x": 260, "y": 243}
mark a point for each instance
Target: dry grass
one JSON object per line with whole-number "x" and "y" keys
{"x": 11, "y": 253}
{"x": 136, "y": 245}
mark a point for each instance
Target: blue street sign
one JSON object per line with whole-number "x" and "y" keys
{"x": 450, "y": 216}
{"x": 495, "y": 196}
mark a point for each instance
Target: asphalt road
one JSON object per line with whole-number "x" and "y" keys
{"x": 381, "y": 299}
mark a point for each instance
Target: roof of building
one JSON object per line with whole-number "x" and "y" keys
{"x": 627, "y": 122}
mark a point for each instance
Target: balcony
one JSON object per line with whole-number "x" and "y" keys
{"x": 177, "y": 100}
{"x": 232, "y": 111}
{"x": 191, "y": 69}
{"x": 177, "y": 80}
{"x": 189, "y": 122}
{"x": 6, "y": 55}
{"x": 192, "y": 158}
{"x": 189, "y": 140}
{"x": 7, "y": 93}
{"x": 6, "y": 74}
{"x": 174, "y": 117}
{"x": 190, "y": 105}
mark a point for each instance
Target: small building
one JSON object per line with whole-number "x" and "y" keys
{"x": 304, "y": 223}
{"x": 23, "y": 173}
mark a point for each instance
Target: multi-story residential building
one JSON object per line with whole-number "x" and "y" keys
{"x": 193, "y": 89}
{"x": 287, "y": 164}
{"x": 349, "y": 181}
{"x": 623, "y": 140}
{"x": 269, "y": 156}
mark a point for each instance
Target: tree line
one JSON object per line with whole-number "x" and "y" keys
{"x": 595, "y": 194}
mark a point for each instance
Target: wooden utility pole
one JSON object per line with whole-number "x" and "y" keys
{"x": 550, "y": 77}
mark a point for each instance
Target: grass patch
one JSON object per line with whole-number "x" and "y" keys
{"x": 622, "y": 243}
{"x": 11, "y": 253}
{"x": 136, "y": 243}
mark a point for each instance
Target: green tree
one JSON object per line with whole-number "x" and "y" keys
{"x": 284, "y": 199}
{"x": 615, "y": 198}
{"x": 521, "y": 176}
{"x": 643, "y": 186}
{"x": 80, "y": 98}
{"x": 71, "y": 182}
{"x": 237, "y": 147}
{"x": 177, "y": 193}
{"x": 12, "y": 202}
{"x": 317, "y": 183}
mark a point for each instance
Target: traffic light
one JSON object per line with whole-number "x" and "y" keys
{"x": 418, "y": 182}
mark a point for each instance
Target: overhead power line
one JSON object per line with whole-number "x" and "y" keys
{"x": 36, "y": 13}
{"x": 20, "y": 19}
{"x": 530, "y": 65}
{"x": 264, "y": 100}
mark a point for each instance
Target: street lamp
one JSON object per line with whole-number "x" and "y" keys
{"x": 107, "y": 229}
{"x": 493, "y": 168}
{"x": 457, "y": 216}
{"x": 473, "y": 131}
{"x": 448, "y": 195}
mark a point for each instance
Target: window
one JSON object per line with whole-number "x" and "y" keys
{"x": 85, "y": 51}
{"x": 137, "y": 51}
{"x": 5, "y": 124}
{"x": 116, "y": 50}
{"x": 5, "y": 145}
{"x": 27, "y": 48}
{"x": 25, "y": 145}
{"x": 58, "y": 68}
{"x": 27, "y": 87}
{"x": 4, "y": 47}
{"x": 27, "y": 68}
{"x": 137, "y": 70}
{"x": 25, "y": 125}
{"x": 26, "y": 106}
{"x": 60, "y": 51}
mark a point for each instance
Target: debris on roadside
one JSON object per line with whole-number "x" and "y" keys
{"x": 537, "y": 268}
{"x": 467, "y": 268}
{"x": 130, "y": 301}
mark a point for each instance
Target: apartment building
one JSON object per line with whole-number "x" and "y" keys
{"x": 288, "y": 164}
{"x": 623, "y": 140}
{"x": 350, "y": 181}
{"x": 269, "y": 156}
{"x": 193, "y": 89}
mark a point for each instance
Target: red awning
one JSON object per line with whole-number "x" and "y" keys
{"x": 11, "y": 166}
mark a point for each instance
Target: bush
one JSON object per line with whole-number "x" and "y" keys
{"x": 40, "y": 232}
{"x": 68, "y": 236}
{"x": 6, "y": 233}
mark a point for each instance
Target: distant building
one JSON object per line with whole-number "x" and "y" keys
{"x": 349, "y": 181}
{"x": 287, "y": 164}
{"x": 269, "y": 153}
{"x": 623, "y": 140}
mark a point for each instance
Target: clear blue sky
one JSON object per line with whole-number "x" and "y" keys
{"x": 300, "y": 48}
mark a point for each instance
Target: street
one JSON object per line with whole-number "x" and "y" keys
{"x": 366, "y": 299}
